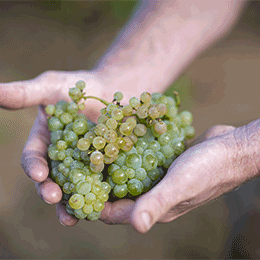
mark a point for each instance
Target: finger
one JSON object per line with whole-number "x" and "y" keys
{"x": 40, "y": 90}
{"x": 49, "y": 191}
{"x": 34, "y": 154}
{"x": 64, "y": 217}
{"x": 118, "y": 212}
{"x": 151, "y": 206}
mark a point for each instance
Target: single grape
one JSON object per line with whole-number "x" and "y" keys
{"x": 56, "y": 136}
{"x": 96, "y": 189}
{"x": 142, "y": 111}
{"x": 99, "y": 142}
{"x": 70, "y": 137}
{"x": 154, "y": 145}
{"x": 76, "y": 154}
{"x": 87, "y": 209}
{"x": 97, "y": 168}
{"x": 167, "y": 150}
{"x": 153, "y": 174}
{"x": 80, "y": 127}
{"x": 80, "y": 84}
{"x": 98, "y": 205}
{"x": 134, "y": 161}
{"x": 119, "y": 176}
{"x": 133, "y": 138}
{"x": 160, "y": 127}
{"x": 140, "y": 130}
{"x": 75, "y": 94}
{"x": 100, "y": 129}
{"x": 83, "y": 188}
{"x": 140, "y": 174}
{"x": 120, "y": 142}
{"x": 96, "y": 158}
{"x": 95, "y": 215}
{"x": 69, "y": 152}
{"x": 128, "y": 144}
{"x": 90, "y": 198}
{"x": 147, "y": 184}
{"x": 83, "y": 144}
{"x": 76, "y": 201}
{"x": 125, "y": 129}
{"x": 127, "y": 110}
{"x": 135, "y": 187}
{"x": 111, "y": 107}
{"x": 110, "y": 136}
{"x": 120, "y": 161}
{"x": 53, "y": 152}
{"x": 189, "y": 131}
{"x": 76, "y": 175}
{"x": 50, "y": 110}
{"x": 55, "y": 124}
{"x": 162, "y": 109}
{"x": 130, "y": 173}
{"x": 82, "y": 106}
{"x": 111, "y": 150}
{"x": 160, "y": 157}
{"x": 90, "y": 136}
{"x": 120, "y": 191}
{"x": 60, "y": 179}
{"x": 111, "y": 123}
{"x": 146, "y": 97}
{"x": 72, "y": 108}
{"x": 117, "y": 114}
{"x": 134, "y": 102}
{"x": 103, "y": 196}
{"x": 105, "y": 187}
{"x": 153, "y": 112}
{"x": 186, "y": 118}
{"x": 67, "y": 161}
{"x": 150, "y": 162}
{"x": 118, "y": 96}
{"x": 79, "y": 213}
{"x": 61, "y": 155}
{"x": 132, "y": 121}
{"x": 164, "y": 139}
{"x": 103, "y": 118}
{"x": 76, "y": 165}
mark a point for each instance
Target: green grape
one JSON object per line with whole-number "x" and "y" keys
{"x": 83, "y": 188}
{"x": 149, "y": 151}
{"x": 61, "y": 104}
{"x": 81, "y": 106}
{"x": 76, "y": 154}
{"x": 98, "y": 205}
{"x": 133, "y": 138}
{"x": 103, "y": 196}
{"x": 69, "y": 152}
{"x": 153, "y": 112}
{"x": 164, "y": 139}
{"x": 76, "y": 201}
{"x": 56, "y": 136}
{"x": 76, "y": 175}
{"x": 111, "y": 151}
{"x": 160, "y": 127}
{"x": 80, "y": 85}
{"x": 80, "y": 127}
{"x": 66, "y": 188}
{"x": 103, "y": 118}
{"x": 111, "y": 123}
{"x": 96, "y": 189}
{"x": 161, "y": 158}
{"x": 81, "y": 117}
{"x": 83, "y": 144}
{"x": 62, "y": 145}
{"x": 70, "y": 137}
{"x": 97, "y": 168}
{"x": 61, "y": 155}
{"x": 128, "y": 144}
{"x": 172, "y": 129}
{"x": 149, "y": 162}
{"x": 120, "y": 142}
{"x": 55, "y": 124}
{"x": 58, "y": 112}
{"x": 146, "y": 97}
{"x": 154, "y": 145}
{"x": 117, "y": 114}
{"x": 69, "y": 209}
{"x": 67, "y": 161}
{"x": 68, "y": 127}
{"x": 186, "y": 118}
{"x": 90, "y": 136}
{"x": 72, "y": 108}
{"x": 99, "y": 142}
{"x": 96, "y": 158}
{"x": 135, "y": 187}
{"x": 66, "y": 118}
{"x": 140, "y": 130}
{"x": 142, "y": 142}
{"x": 76, "y": 165}
{"x": 177, "y": 121}
{"x": 120, "y": 161}
{"x": 110, "y": 136}
{"x": 87, "y": 170}
{"x": 87, "y": 209}
{"x": 125, "y": 129}
{"x": 100, "y": 129}
{"x": 90, "y": 198}
{"x": 178, "y": 147}
{"x": 156, "y": 96}
{"x": 120, "y": 191}
{"x": 142, "y": 111}
{"x": 127, "y": 110}
{"x": 171, "y": 112}
{"x": 153, "y": 174}
{"x": 133, "y": 150}
{"x": 53, "y": 152}
{"x": 140, "y": 174}
{"x": 110, "y": 182}
{"x": 189, "y": 131}
{"x": 50, "y": 110}
{"x": 75, "y": 94}
{"x": 162, "y": 109}
{"x": 60, "y": 179}
{"x": 134, "y": 161}
{"x": 79, "y": 213}
{"x": 131, "y": 121}
{"x": 168, "y": 162}
{"x": 130, "y": 173}
{"x": 95, "y": 215}
{"x": 54, "y": 172}
{"x": 89, "y": 179}
{"x": 111, "y": 107}
{"x": 167, "y": 151}
{"x": 119, "y": 176}
{"x": 118, "y": 96}
{"x": 105, "y": 187}
{"x": 134, "y": 102}
{"x": 147, "y": 183}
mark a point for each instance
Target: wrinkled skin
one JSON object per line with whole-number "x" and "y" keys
{"x": 203, "y": 172}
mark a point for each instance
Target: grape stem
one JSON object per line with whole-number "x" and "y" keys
{"x": 99, "y": 99}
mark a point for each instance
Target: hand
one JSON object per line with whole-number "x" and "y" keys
{"x": 48, "y": 88}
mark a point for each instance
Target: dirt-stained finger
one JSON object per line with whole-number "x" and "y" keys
{"x": 65, "y": 218}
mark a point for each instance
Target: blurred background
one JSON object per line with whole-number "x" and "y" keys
{"x": 220, "y": 87}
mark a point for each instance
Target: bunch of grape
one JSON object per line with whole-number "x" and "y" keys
{"x": 130, "y": 147}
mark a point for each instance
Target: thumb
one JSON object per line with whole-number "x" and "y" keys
{"x": 152, "y": 206}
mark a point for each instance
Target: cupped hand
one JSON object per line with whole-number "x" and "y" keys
{"x": 48, "y": 88}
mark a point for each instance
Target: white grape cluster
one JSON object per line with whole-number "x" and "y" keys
{"x": 130, "y": 147}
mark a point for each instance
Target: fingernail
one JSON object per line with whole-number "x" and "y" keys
{"x": 146, "y": 219}
{"x": 62, "y": 223}
{"x": 46, "y": 201}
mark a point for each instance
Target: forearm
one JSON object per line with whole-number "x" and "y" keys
{"x": 161, "y": 40}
